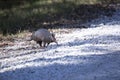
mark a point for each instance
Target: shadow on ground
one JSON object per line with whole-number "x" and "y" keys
{"x": 91, "y": 67}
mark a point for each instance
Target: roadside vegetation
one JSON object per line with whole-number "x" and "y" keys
{"x": 17, "y": 16}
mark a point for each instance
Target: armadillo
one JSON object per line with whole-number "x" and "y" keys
{"x": 43, "y": 36}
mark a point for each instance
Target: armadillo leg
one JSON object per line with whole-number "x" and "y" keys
{"x": 44, "y": 44}
{"x": 48, "y": 44}
{"x": 40, "y": 43}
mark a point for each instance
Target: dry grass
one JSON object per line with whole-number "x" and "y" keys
{"x": 9, "y": 40}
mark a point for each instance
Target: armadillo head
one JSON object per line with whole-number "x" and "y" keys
{"x": 53, "y": 39}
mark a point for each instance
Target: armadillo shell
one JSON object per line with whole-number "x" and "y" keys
{"x": 41, "y": 35}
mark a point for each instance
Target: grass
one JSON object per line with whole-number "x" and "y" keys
{"x": 17, "y": 16}
{"x": 35, "y": 13}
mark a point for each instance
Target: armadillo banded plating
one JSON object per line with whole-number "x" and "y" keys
{"x": 43, "y": 36}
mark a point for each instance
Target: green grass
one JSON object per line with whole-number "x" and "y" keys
{"x": 16, "y": 15}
